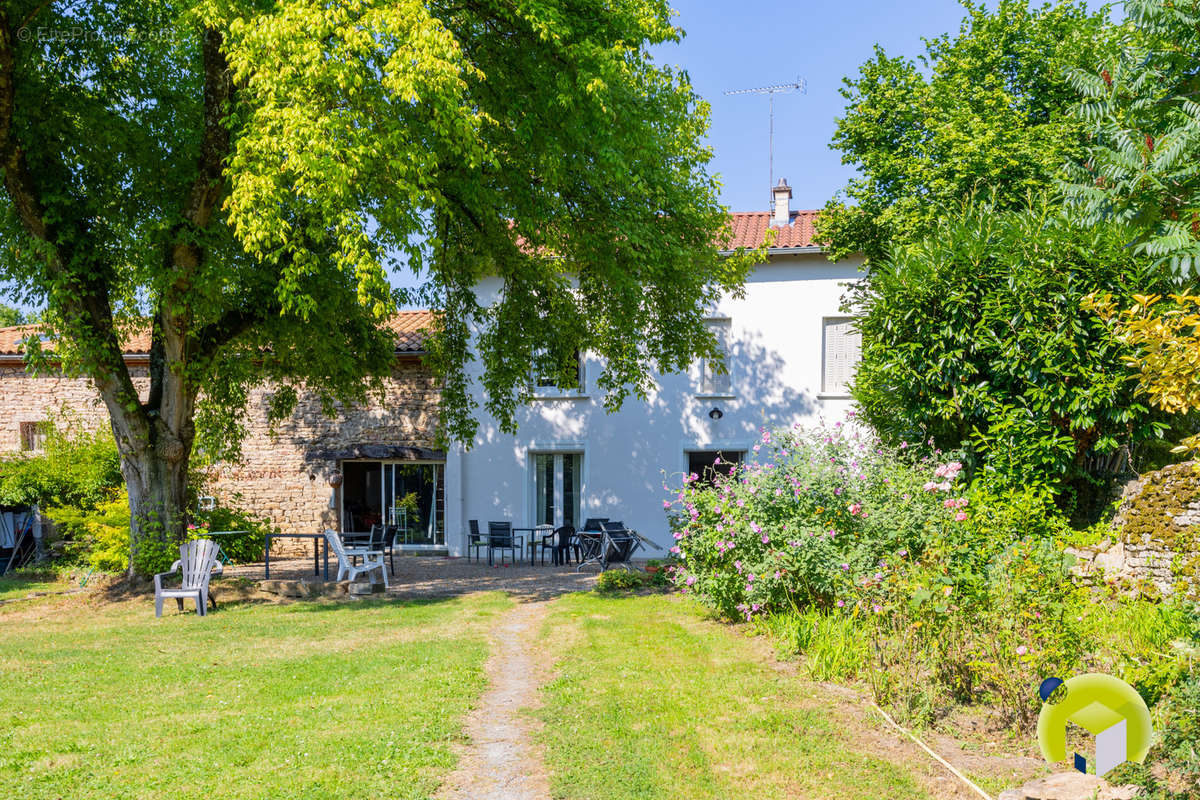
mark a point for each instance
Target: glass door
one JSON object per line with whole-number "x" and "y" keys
{"x": 557, "y": 479}
{"x": 413, "y": 502}
{"x": 407, "y": 495}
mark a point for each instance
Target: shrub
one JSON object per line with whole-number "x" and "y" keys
{"x": 619, "y": 580}
{"x": 73, "y": 469}
{"x": 959, "y": 591}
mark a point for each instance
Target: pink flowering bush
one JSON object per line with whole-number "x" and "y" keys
{"x": 961, "y": 589}
{"x": 804, "y": 523}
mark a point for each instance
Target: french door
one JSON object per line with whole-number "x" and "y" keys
{"x": 557, "y": 484}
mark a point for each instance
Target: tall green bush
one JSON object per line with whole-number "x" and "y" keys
{"x": 976, "y": 338}
{"x": 74, "y": 467}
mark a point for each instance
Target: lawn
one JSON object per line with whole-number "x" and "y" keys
{"x": 313, "y": 700}
{"x": 653, "y": 701}
{"x": 12, "y": 588}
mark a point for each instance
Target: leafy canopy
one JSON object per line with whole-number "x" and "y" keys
{"x": 1140, "y": 103}
{"x": 976, "y": 337}
{"x": 243, "y": 174}
{"x": 987, "y": 108}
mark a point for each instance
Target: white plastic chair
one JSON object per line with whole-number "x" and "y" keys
{"x": 197, "y": 564}
{"x": 347, "y": 570}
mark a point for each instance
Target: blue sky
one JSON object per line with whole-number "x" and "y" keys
{"x": 734, "y": 45}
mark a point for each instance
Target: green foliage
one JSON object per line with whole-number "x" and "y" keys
{"x": 960, "y": 592}
{"x": 240, "y": 548}
{"x": 987, "y": 108}
{"x": 73, "y": 468}
{"x": 11, "y": 316}
{"x": 619, "y": 580}
{"x": 1139, "y": 104}
{"x": 975, "y": 338}
{"x": 99, "y": 534}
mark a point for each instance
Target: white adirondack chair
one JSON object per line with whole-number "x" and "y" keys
{"x": 197, "y": 563}
{"x": 348, "y": 571}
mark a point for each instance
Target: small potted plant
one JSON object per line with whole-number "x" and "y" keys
{"x": 653, "y": 566}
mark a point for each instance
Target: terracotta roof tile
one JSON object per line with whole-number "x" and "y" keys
{"x": 750, "y": 228}
{"x": 410, "y": 328}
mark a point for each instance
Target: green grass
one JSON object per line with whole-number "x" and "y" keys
{"x": 311, "y": 700}
{"x": 13, "y": 587}
{"x": 652, "y": 701}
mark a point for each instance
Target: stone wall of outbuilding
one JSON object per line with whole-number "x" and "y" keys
{"x": 284, "y": 474}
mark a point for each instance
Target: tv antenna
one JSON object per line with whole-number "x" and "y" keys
{"x": 799, "y": 85}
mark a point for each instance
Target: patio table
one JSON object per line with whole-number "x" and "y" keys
{"x": 313, "y": 536}
{"x": 534, "y": 540}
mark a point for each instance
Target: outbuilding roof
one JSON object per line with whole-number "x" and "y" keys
{"x": 410, "y": 327}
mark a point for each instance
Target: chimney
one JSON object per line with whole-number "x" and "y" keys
{"x": 781, "y": 193}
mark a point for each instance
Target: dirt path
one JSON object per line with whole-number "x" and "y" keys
{"x": 502, "y": 761}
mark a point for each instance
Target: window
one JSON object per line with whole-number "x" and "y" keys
{"x": 546, "y": 385}
{"x": 842, "y": 351}
{"x": 706, "y": 464}
{"x": 557, "y": 484}
{"x": 715, "y": 375}
{"x": 33, "y": 435}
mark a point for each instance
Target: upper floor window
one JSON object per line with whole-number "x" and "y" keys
{"x": 842, "y": 345}
{"x": 33, "y": 435}
{"x": 545, "y": 384}
{"x": 716, "y": 374}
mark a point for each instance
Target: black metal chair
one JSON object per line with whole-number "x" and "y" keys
{"x": 622, "y": 544}
{"x": 476, "y": 541}
{"x": 358, "y": 545}
{"x": 501, "y": 537}
{"x": 594, "y": 523}
{"x": 560, "y": 543}
{"x": 389, "y": 544}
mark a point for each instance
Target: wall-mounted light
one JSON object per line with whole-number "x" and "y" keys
{"x": 716, "y": 414}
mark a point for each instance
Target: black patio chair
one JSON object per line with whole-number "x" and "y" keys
{"x": 560, "y": 543}
{"x": 476, "y": 541}
{"x": 359, "y": 543}
{"x": 594, "y": 523}
{"x": 389, "y": 544}
{"x": 501, "y": 537}
{"x": 622, "y": 544}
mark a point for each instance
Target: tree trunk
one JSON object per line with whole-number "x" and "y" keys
{"x": 157, "y": 508}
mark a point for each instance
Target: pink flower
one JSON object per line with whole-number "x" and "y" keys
{"x": 845, "y": 567}
{"x": 877, "y": 608}
{"x": 960, "y": 516}
{"x": 691, "y": 580}
{"x": 765, "y": 539}
{"x": 666, "y": 503}
{"x": 854, "y": 508}
{"x": 1022, "y": 650}
{"x": 841, "y": 603}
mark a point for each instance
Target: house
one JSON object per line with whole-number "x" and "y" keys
{"x": 789, "y": 350}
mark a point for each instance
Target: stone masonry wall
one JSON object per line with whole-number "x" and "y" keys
{"x": 284, "y": 475}
{"x": 1158, "y": 534}
{"x": 28, "y": 398}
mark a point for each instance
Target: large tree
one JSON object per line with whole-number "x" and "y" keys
{"x": 1141, "y": 101}
{"x": 238, "y": 176}
{"x": 986, "y": 110}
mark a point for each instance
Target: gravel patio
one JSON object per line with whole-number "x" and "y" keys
{"x": 439, "y": 576}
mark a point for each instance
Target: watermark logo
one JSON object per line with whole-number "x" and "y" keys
{"x": 1107, "y": 708}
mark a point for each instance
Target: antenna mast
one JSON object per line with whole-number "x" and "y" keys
{"x": 799, "y": 85}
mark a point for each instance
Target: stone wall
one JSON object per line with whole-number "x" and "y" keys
{"x": 29, "y": 398}
{"x": 1157, "y": 540}
{"x": 284, "y": 473}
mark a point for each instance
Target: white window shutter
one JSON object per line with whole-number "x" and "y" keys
{"x": 843, "y": 350}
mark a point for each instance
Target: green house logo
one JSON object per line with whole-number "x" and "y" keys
{"x": 1107, "y": 708}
